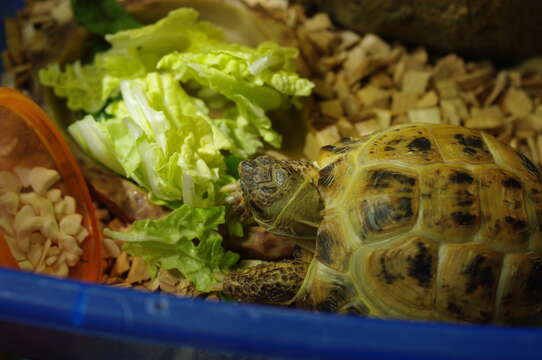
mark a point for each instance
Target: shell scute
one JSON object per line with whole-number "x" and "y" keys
{"x": 389, "y": 198}
{"x": 450, "y": 202}
{"x": 330, "y": 291}
{"x": 331, "y": 248}
{"x": 521, "y": 290}
{"x": 413, "y": 145}
{"x": 468, "y": 277}
{"x": 333, "y": 176}
{"x": 506, "y": 223}
{"x": 403, "y": 275}
{"x": 509, "y": 158}
{"x": 459, "y": 144}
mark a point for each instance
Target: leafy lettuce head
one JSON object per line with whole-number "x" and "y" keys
{"x": 169, "y": 105}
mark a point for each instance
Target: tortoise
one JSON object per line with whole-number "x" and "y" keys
{"x": 418, "y": 221}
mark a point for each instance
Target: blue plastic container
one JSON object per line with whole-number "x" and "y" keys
{"x": 41, "y": 317}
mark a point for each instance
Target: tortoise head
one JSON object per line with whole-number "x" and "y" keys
{"x": 281, "y": 195}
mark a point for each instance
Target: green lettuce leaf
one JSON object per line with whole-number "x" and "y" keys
{"x": 162, "y": 138}
{"x": 80, "y": 84}
{"x": 255, "y": 80}
{"x": 186, "y": 240}
{"x": 133, "y": 54}
{"x": 103, "y": 16}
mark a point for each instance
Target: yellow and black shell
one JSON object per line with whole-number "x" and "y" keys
{"x": 431, "y": 222}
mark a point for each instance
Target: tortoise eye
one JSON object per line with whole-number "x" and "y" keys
{"x": 281, "y": 176}
{"x": 269, "y": 189}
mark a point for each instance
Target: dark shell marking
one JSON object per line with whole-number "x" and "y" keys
{"x": 326, "y": 176}
{"x": 331, "y": 249}
{"x": 533, "y": 285}
{"x": 472, "y": 144}
{"x": 470, "y": 141}
{"x": 385, "y": 275}
{"x": 383, "y": 179}
{"x": 331, "y": 292}
{"x": 463, "y": 218}
{"x": 337, "y": 149}
{"x": 504, "y": 204}
{"x": 511, "y": 183}
{"x": 478, "y": 275}
{"x": 325, "y": 247}
{"x": 419, "y": 144}
{"x": 529, "y": 166}
{"x": 350, "y": 141}
{"x": 335, "y": 297}
{"x": 460, "y": 177}
{"x": 399, "y": 208}
{"x": 420, "y": 266}
{"x": 517, "y": 224}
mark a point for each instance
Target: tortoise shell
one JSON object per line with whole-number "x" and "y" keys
{"x": 431, "y": 222}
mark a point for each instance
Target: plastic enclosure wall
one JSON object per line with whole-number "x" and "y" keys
{"x": 37, "y": 314}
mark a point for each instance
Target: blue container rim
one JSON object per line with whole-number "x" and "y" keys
{"x": 105, "y": 311}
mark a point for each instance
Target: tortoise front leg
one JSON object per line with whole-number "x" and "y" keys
{"x": 272, "y": 283}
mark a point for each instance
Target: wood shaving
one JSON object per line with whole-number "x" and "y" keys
{"x": 372, "y": 96}
{"x": 403, "y": 102}
{"x": 323, "y": 89}
{"x": 138, "y": 271}
{"x": 348, "y": 39}
{"x": 367, "y": 127}
{"x": 429, "y": 99}
{"x": 500, "y": 83}
{"x": 415, "y": 81}
{"x": 318, "y": 22}
{"x": 375, "y": 46}
{"x": 485, "y": 118}
{"x": 383, "y": 117}
{"x": 328, "y": 135}
{"x": 122, "y": 265}
{"x": 332, "y": 108}
{"x": 324, "y": 40}
{"x": 447, "y": 88}
{"x": 346, "y": 128}
{"x": 518, "y": 103}
{"x": 428, "y": 115}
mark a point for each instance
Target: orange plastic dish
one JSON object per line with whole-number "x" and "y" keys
{"x": 24, "y": 125}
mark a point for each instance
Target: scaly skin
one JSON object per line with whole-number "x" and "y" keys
{"x": 273, "y": 283}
